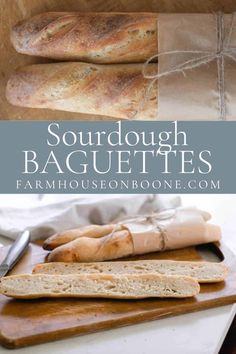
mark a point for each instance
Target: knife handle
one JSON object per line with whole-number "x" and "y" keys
{"x": 17, "y": 249}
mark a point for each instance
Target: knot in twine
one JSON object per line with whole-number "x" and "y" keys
{"x": 154, "y": 218}
{"x": 201, "y": 57}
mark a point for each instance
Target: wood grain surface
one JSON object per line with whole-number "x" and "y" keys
{"x": 12, "y": 11}
{"x": 28, "y": 322}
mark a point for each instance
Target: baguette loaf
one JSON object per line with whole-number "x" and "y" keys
{"x": 203, "y": 272}
{"x": 94, "y": 231}
{"x": 92, "y": 37}
{"x": 110, "y": 90}
{"x": 122, "y": 244}
{"x": 135, "y": 286}
{"x": 87, "y": 249}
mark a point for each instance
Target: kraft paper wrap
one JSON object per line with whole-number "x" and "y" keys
{"x": 171, "y": 229}
{"x": 193, "y": 94}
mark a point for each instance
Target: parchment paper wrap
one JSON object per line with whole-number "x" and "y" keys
{"x": 194, "y": 95}
{"x": 171, "y": 229}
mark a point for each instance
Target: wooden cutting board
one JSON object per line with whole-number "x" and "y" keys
{"x": 28, "y": 322}
{"x": 12, "y": 11}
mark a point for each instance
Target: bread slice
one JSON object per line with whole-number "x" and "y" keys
{"x": 203, "y": 272}
{"x": 123, "y": 286}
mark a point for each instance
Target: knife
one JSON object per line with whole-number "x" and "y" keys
{"x": 15, "y": 252}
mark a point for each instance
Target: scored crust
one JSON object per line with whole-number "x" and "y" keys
{"x": 94, "y": 37}
{"x": 111, "y": 90}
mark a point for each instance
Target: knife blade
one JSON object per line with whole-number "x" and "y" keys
{"x": 15, "y": 253}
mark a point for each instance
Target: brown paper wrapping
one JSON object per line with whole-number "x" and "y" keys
{"x": 194, "y": 94}
{"x": 172, "y": 229}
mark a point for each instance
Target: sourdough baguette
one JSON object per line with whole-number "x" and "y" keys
{"x": 203, "y": 272}
{"x": 110, "y": 90}
{"x": 87, "y": 249}
{"x": 121, "y": 244}
{"x": 94, "y": 231}
{"x": 94, "y": 37}
{"x": 125, "y": 286}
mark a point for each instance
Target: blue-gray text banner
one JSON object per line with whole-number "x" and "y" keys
{"x": 117, "y": 157}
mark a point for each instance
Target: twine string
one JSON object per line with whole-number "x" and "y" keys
{"x": 154, "y": 218}
{"x": 201, "y": 57}
{"x": 220, "y": 65}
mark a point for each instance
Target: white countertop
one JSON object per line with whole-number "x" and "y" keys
{"x": 201, "y": 332}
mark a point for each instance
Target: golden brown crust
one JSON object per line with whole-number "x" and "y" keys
{"x": 94, "y": 231}
{"x": 110, "y": 90}
{"x": 93, "y": 37}
{"x": 85, "y": 249}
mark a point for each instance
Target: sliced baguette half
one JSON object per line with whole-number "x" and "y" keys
{"x": 124, "y": 286}
{"x": 203, "y": 272}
